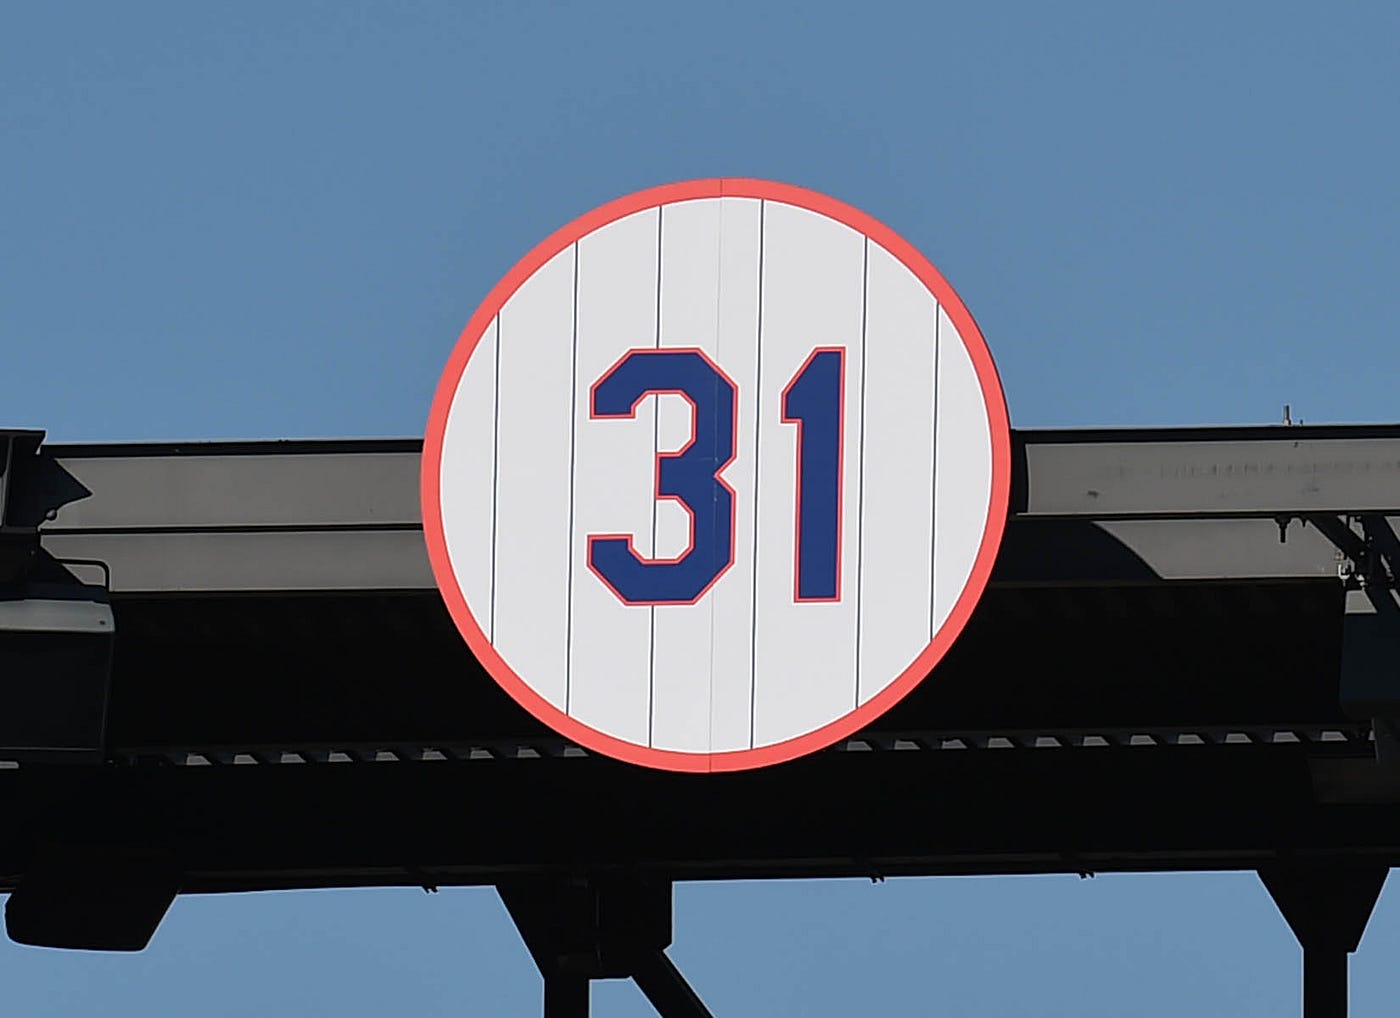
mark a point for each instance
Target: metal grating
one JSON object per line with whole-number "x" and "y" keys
{"x": 1358, "y": 738}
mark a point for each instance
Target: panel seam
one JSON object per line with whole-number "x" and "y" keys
{"x": 757, "y": 435}
{"x": 573, "y": 429}
{"x": 860, "y": 453}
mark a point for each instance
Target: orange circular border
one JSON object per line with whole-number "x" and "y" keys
{"x": 739, "y": 759}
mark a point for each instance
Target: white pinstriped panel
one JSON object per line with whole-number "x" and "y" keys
{"x": 610, "y": 659}
{"x": 469, "y": 489}
{"x": 963, "y": 471}
{"x": 813, "y": 295}
{"x": 532, "y": 501}
{"x": 897, "y": 448}
{"x": 746, "y": 665}
{"x": 709, "y": 299}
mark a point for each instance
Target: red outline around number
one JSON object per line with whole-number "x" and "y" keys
{"x": 998, "y": 425}
{"x": 840, "y": 478}
{"x": 670, "y": 454}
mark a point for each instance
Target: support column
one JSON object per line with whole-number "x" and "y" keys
{"x": 565, "y": 996}
{"x": 582, "y": 929}
{"x": 1324, "y": 982}
{"x": 1327, "y": 905}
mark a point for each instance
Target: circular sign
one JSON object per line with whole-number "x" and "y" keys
{"x": 715, "y": 475}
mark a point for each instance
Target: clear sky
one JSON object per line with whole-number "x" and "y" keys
{"x": 264, "y": 220}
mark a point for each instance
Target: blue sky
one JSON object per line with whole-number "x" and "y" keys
{"x": 272, "y": 219}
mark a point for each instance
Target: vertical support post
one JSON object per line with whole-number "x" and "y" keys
{"x": 1324, "y": 982}
{"x": 565, "y": 996}
{"x": 590, "y": 928}
{"x": 1327, "y": 905}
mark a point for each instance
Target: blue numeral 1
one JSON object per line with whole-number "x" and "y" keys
{"x": 815, "y": 401}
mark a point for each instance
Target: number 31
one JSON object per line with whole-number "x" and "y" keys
{"x": 813, "y": 400}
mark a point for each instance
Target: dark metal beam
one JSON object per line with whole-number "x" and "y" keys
{"x": 1162, "y": 473}
{"x": 662, "y": 984}
{"x": 304, "y": 485}
{"x": 345, "y": 646}
{"x": 344, "y": 515}
{"x": 367, "y": 672}
{"x": 393, "y": 558}
{"x": 252, "y": 561}
{"x": 239, "y": 827}
{"x": 1225, "y": 472}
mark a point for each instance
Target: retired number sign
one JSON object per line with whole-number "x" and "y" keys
{"x": 716, "y": 475}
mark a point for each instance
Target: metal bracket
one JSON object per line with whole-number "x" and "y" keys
{"x": 91, "y": 897}
{"x": 1368, "y": 565}
{"x": 1368, "y": 552}
{"x": 578, "y": 930}
{"x": 56, "y": 628}
{"x": 19, "y": 537}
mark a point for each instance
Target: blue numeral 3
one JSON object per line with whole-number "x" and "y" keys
{"x": 814, "y": 400}
{"x": 690, "y": 476}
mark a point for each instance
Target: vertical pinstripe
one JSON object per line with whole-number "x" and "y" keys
{"x": 896, "y": 454}
{"x": 495, "y": 461}
{"x": 860, "y": 461}
{"x": 758, "y": 385}
{"x": 471, "y": 489}
{"x": 964, "y": 477}
{"x": 933, "y": 481}
{"x": 573, "y": 483}
{"x": 655, "y": 450}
